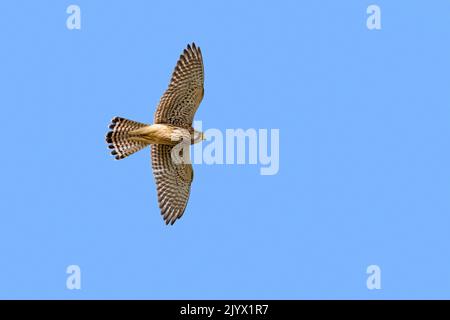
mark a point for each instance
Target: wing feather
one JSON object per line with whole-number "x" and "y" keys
{"x": 173, "y": 183}
{"x": 185, "y": 92}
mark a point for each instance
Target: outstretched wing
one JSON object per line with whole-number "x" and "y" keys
{"x": 181, "y": 100}
{"x": 173, "y": 183}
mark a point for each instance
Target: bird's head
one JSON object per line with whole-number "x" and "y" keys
{"x": 197, "y": 136}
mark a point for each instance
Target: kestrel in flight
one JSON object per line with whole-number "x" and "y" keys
{"x": 172, "y": 125}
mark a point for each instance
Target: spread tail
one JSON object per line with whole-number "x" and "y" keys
{"x": 120, "y": 139}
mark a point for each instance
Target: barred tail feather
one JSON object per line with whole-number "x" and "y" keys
{"x": 120, "y": 140}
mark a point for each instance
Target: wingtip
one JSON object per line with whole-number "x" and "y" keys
{"x": 192, "y": 47}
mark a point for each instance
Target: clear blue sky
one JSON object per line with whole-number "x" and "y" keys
{"x": 364, "y": 150}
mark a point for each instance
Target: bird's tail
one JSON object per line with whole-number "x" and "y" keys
{"x": 120, "y": 139}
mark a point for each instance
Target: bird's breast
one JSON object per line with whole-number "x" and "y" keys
{"x": 163, "y": 134}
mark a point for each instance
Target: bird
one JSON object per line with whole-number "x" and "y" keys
{"x": 172, "y": 125}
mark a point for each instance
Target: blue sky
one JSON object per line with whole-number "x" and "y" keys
{"x": 364, "y": 150}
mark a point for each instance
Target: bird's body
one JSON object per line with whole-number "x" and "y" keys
{"x": 167, "y": 134}
{"x": 157, "y": 134}
{"x": 172, "y": 125}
